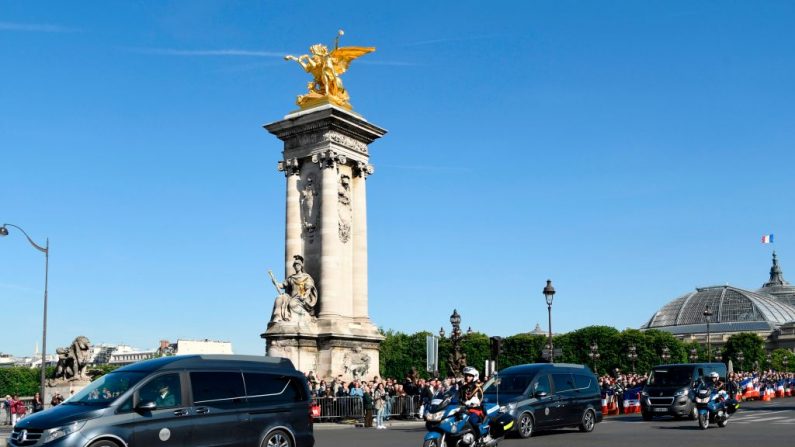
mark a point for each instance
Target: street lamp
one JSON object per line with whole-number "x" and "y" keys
{"x": 594, "y": 355}
{"x": 769, "y": 358}
{"x": 549, "y": 295}
{"x": 693, "y": 355}
{"x": 632, "y": 355}
{"x": 718, "y": 355}
{"x": 469, "y": 330}
{"x": 707, "y": 315}
{"x": 456, "y": 360}
{"x": 46, "y": 251}
{"x": 785, "y": 362}
{"x": 666, "y": 354}
{"x": 441, "y": 332}
{"x": 740, "y": 358}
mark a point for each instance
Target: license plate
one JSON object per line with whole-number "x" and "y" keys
{"x": 660, "y": 410}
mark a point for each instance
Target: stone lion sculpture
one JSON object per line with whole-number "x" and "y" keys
{"x": 73, "y": 360}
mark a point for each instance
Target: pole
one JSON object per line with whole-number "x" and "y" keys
{"x": 551, "y": 346}
{"x": 709, "y": 343}
{"x": 44, "y": 328}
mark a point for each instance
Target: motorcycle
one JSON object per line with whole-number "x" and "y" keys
{"x": 713, "y": 406}
{"x": 448, "y": 425}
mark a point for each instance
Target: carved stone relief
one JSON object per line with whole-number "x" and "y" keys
{"x": 309, "y": 139}
{"x": 344, "y": 208}
{"x": 356, "y": 362}
{"x": 309, "y": 207}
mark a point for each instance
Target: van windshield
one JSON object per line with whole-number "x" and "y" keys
{"x": 508, "y": 384}
{"x": 671, "y": 376}
{"x": 106, "y": 389}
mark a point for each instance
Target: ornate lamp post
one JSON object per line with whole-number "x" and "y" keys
{"x": 632, "y": 355}
{"x": 693, "y": 355}
{"x": 594, "y": 355}
{"x": 740, "y": 358}
{"x": 549, "y": 295}
{"x": 769, "y": 358}
{"x": 708, "y": 317}
{"x": 441, "y": 332}
{"x": 666, "y": 354}
{"x": 46, "y": 251}
{"x": 456, "y": 361}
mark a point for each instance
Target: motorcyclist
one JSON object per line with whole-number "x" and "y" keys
{"x": 718, "y": 387}
{"x": 470, "y": 394}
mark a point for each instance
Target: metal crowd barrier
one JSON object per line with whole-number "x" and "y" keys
{"x": 338, "y": 408}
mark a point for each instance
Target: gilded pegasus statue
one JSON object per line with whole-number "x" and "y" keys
{"x": 326, "y": 67}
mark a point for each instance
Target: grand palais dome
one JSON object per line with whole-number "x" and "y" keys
{"x": 733, "y": 309}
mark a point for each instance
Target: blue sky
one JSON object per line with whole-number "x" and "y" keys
{"x": 630, "y": 151}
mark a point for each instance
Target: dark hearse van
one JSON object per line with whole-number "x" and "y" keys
{"x": 667, "y": 390}
{"x": 540, "y": 396}
{"x": 196, "y": 400}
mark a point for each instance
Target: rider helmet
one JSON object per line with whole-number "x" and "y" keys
{"x": 713, "y": 376}
{"x": 470, "y": 371}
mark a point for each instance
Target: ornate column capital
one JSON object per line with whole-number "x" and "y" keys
{"x": 289, "y": 166}
{"x": 329, "y": 159}
{"x": 363, "y": 169}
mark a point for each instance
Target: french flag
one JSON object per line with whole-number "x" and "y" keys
{"x": 767, "y": 239}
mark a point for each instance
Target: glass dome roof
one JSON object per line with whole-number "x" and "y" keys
{"x": 731, "y": 307}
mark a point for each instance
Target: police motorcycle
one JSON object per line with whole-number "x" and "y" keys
{"x": 713, "y": 406}
{"x": 448, "y": 423}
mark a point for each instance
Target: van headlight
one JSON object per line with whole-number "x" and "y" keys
{"x": 508, "y": 408}
{"x": 64, "y": 430}
{"x": 681, "y": 392}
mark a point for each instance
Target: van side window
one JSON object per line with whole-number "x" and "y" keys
{"x": 217, "y": 389}
{"x": 165, "y": 391}
{"x": 269, "y": 388}
{"x": 563, "y": 382}
{"x": 542, "y": 385}
{"x": 582, "y": 382}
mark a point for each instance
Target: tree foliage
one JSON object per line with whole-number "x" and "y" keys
{"x": 752, "y": 348}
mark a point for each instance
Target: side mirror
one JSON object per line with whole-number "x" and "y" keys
{"x": 145, "y": 405}
{"x": 540, "y": 394}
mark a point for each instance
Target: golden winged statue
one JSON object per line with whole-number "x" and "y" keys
{"x": 326, "y": 68}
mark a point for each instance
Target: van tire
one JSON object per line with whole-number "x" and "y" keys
{"x": 103, "y": 443}
{"x": 277, "y": 438}
{"x": 588, "y": 421}
{"x": 525, "y": 426}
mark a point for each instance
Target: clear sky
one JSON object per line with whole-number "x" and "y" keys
{"x": 628, "y": 150}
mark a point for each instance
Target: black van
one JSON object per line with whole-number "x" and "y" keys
{"x": 547, "y": 395}
{"x": 195, "y": 400}
{"x": 667, "y": 390}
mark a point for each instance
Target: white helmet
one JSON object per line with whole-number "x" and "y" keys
{"x": 714, "y": 376}
{"x": 470, "y": 371}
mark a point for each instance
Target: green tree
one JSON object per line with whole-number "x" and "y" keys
{"x": 520, "y": 349}
{"x": 576, "y": 346}
{"x": 752, "y": 347}
{"x": 778, "y": 357}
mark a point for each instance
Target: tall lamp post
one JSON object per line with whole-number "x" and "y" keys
{"x": 632, "y": 355}
{"x": 594, "y": 355}
{"x": 666, "y": 354}
{"x": 46, "y": 251}
{"x": 549, "y": 295}
{"x": 707, "y": 316}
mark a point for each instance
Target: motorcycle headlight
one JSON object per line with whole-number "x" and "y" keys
{"x": 59, "y": 432}
{"x": 434, "y": 417}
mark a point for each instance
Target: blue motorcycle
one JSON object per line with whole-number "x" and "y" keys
{"x": 713, "y": 406}
{"x": 449, "y": 426}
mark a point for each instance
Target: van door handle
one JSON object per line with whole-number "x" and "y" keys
{"x": 180, "y": 412}
{"x": 202, "y": 410}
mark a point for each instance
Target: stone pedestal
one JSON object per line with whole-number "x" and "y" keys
{"x": 65, "y": 387}
{"x": 326, "y": 164}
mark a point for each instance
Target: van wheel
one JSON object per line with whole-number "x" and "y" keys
{"x": 525, "y": 425}
{"x": 588, "y": 421}
{"x": 104, "y": 443}
{"x": 277, "y": 438}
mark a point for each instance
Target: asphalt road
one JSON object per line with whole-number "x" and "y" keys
{"x": 772, "y": 423}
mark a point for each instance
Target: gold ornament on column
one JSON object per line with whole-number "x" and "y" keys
{"x": 326, "y": 68}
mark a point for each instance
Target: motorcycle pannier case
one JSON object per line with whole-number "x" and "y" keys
{"x": 732, "y": 405}
{"x": 501, "y": 424}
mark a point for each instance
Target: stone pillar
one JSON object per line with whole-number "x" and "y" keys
{"x": 331, "y": 303}
{"x": 292, "y": 229}
{"x": 360, "y": 311}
